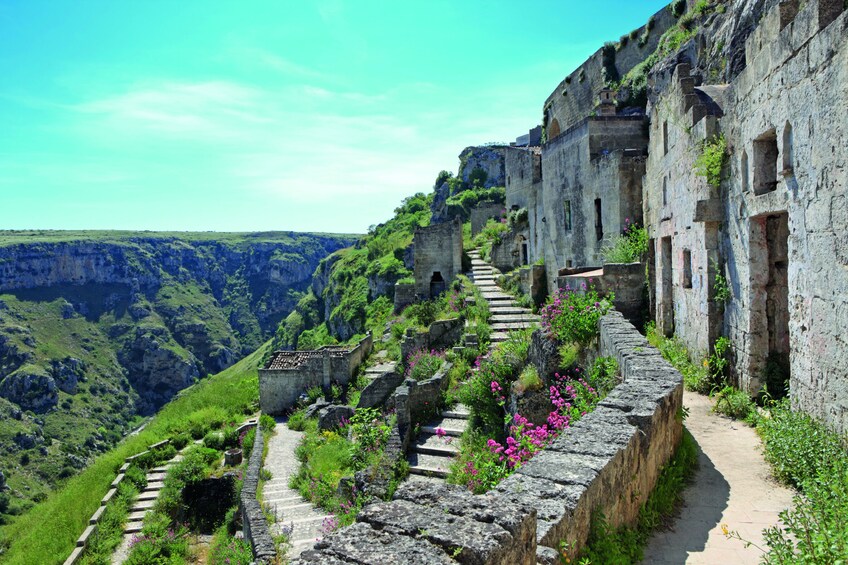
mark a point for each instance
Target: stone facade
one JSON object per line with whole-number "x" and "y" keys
{"x": 776, "y": 226}
{"x": 289, "y": 374}
{"x": 438, "y": 257}
{"x": 625, "y": 280}
{"x": 484, "y": 212}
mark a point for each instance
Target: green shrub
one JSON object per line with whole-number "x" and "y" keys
{"x": 528, "y": 380}
{"x": 180, "y": 440}
{"x": 423, "y": 364}
{"x": 248, "y": 438}
{"x": 629, "y": 247}
{"x": 603, "y": 375}
{"x": 695, "y": 377}
{"x": 214, "y": 440}
{"x": 136, "y": 476}
{"x": 297, "y": 421}
{"x": 267, "y": 423}
{"x": 735, "y": 403}
{"x": 568, "y": 355}
{"x": 229, "y": 550}
{"x": 159, "y": 542}
{"x": 570, "y": 316}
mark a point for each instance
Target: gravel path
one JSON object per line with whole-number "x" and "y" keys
{"x": 733, "y": 486}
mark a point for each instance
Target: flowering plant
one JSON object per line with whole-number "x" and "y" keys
{"x": 572, "y": 316}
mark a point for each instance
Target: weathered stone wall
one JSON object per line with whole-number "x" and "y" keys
{"x": 404, "y": 295}
{"x": 610, "y": 460}
{"x": 484, "y": 212}
{"x": 776, "y": 225}
{"x": 441, "y": 334}
{"x": 685, "y": 248}
{"x": 523, "y": 167}
{"x": 254, "y": 525}
{"x": 438, "y": 250}
{"x": 577, "y": 95}
{"x": 432, "y": 524}
{"x": 625, "y": 280}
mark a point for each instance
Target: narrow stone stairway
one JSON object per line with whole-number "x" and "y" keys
{"x": 305, "y": 521}
{"x": 506, "y": 314}
{"x": 142, "y": 505}
{"x": 431, "y": 454}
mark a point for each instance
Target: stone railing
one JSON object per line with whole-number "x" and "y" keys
{"x": 254, "y": 524}
{"x": 82, "y": 541}
{"x": 607, "y": 462}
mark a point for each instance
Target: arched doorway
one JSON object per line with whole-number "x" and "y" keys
{"x": 437, "y": 284}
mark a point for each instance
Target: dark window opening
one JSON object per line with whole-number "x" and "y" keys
{"x": 765, "y": 163}
{"x": 687, "y": 268}
{"x": 599, "y": 222}
{"x": 665, "y": 191}
{"x": 787, "y": 149}
{"x": 743, "y": 166}
{"x": 524, "y": 257}
{"x": 567, "y": 209}
{"x": 437, "y": 284}
{"x": 666, "y": 303}
{"x": 665, "y": 138}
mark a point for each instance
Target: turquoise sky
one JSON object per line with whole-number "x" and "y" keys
{"x": 279, "y": 115}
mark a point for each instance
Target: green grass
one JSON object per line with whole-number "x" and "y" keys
{"x": 48, "y": 532}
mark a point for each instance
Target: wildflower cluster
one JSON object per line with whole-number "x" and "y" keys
{"x": 572, "y": 316}
{"x": 630, "y": 247}
{"x": 423, "y": 364}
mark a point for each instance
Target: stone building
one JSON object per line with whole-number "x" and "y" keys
{"x": 438, "y": 257}
{"x": 288, "y": 374}
{"x": 776, "y": 227}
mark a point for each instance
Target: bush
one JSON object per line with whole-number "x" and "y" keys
{"x": 423, "y": 364}
{"x": 604, "y": 375}
{"x": 214, "y": 440}
{"x": 528, "y": 380}
{"x": 570, "y": 316}
{"x": 712, "y": 159}
{"x": 629, "y": 247}
{"x": 267, "y": 423}
{"x": 735, "y": 403}
{"x": 180, "y": 440}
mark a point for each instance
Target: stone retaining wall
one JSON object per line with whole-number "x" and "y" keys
{"x": 440, "y": 335}
{"x": 609, "y": 461}
{"x": 254, "y": 524}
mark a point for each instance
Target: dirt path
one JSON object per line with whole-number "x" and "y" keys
{"x": 733, "y": 486}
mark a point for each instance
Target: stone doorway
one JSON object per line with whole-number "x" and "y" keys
{"x": 769, "y": 264}
{"x": 667, "y": 298}
{"x": 437, "y": 284}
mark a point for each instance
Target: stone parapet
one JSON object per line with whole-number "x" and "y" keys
{"x": 254, "y": 524}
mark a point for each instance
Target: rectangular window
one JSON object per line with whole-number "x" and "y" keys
{"x": 567, "y": 209}
{"x": 599, "y": 222}
{"x": 687, "y": 268}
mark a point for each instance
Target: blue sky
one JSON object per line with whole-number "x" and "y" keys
{"x": 267, "y": 115}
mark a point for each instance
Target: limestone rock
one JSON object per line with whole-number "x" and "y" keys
{"x": 31, "y": 388}
{"x": 439, "y": 206}
{"x": 67, "y": 373}
{"x": 330, "y": 418}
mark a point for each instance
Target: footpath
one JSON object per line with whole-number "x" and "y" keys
{"x": 733, "y": 486}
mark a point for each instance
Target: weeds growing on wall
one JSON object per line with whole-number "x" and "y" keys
{"x": 490, "y": 235}
{"x": 712, "y": 159}
{"x": 696, "y": 377}
{"x": 629, "y": 247}
{"x": 424, "y": 364}
{"x": 572, "y": 316}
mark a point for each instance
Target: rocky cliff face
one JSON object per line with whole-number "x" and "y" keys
{"x": 96, "y": 329}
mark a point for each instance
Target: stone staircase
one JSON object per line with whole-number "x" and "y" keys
{"x": 142, "y": 505}
{"x": 506, "y": 314}
{"x": 434, "y": 449}
{"x": 292, "y": 512}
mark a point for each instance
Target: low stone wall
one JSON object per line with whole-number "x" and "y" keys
{"x": 440, "y": 335}
{"x": 609, "y": 461}
{"x": 415, "y": 402}
{"x": 254, "y": 525}
{"x": 404, "y": 296}
{"x": 430, "y": 523}
{"x": 484, "y": 212}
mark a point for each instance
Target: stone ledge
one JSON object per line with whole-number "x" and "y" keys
{"x": 255, "y": 527}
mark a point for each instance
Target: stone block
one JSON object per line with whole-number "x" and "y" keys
{"x": 331, "y": 417}
{"x": 379, "y": 390}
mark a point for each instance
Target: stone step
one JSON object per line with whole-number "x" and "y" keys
{"x": 423, "y": 464}
{"x": 154, "y": 477}
{"x": 498, "y": 337}
{"x": 434, "y": 445}
{"x": 133, "y": 527}
{"x": 456, "y": 414}
{"x": 135, "y": 516}
{"x": 455, "y": 432}
{"x": 448, "y": 422}
{"x": 154, "y": 485}
{"x": 512, "y": 326}
{"x": 288, "y": 507}
{"x": 513, "y": 318}
{"x": 490, "y": 296}
{"x": 424, "y": 478}
{"x": 143, "y": 505}
{"x": 148, "y": 495}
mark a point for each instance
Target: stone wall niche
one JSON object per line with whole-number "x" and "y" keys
{"x": 765, "y": 163}
{"x": 768, "y": 341}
